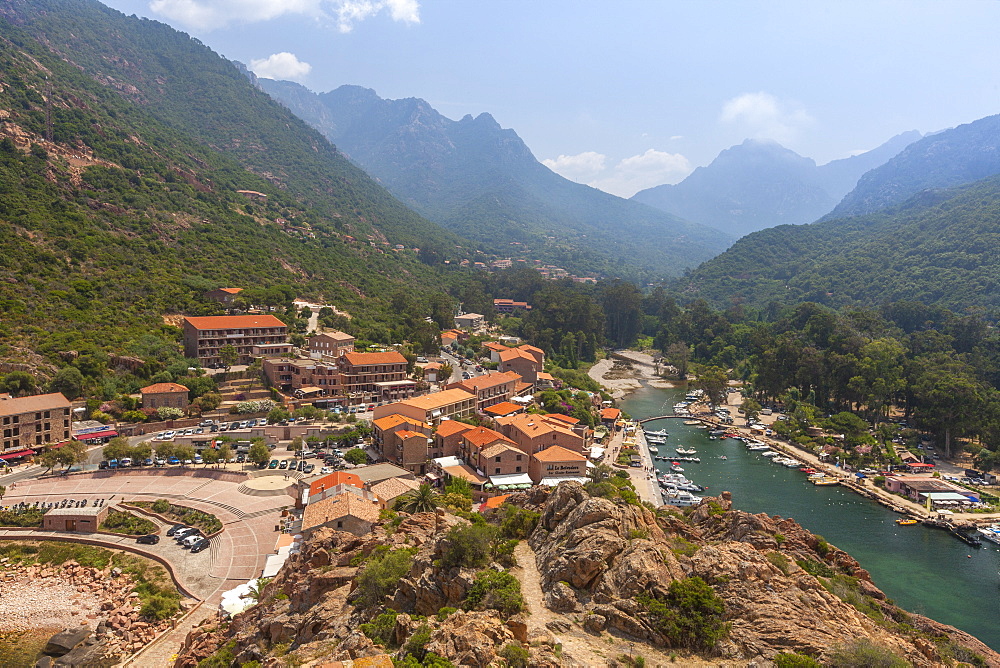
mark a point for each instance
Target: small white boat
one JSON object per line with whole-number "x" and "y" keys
{"x": 658, "y": 432}
{"x": 676, "y": 469}
{"x": 653, "y": 449}
{"x": 686, "y": 451}
{"x": 991, "y": 533}
{"x": 769, "y": 453}
{"x": 692, "y": 423}
{"x": 682, "y": 499}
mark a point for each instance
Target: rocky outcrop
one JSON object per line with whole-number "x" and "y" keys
{"x": 597, "y": 559}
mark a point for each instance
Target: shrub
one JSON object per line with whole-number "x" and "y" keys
{"x": 517, "y": 522}
{"x": 382, "y": 575}
{"x": 495, "y": 590}
{"x": 815, "y": 568}
{"x": 863, "y": 652}
{"x": 355, "y": 456}
{"x": 259, "y": 406}
{"x": 515, "y": 655}
{"x": 793, "y": 660}
{"x": 127, "y": 523}
{"x": 469, "y": 546}
{"x": 159, "y": 607}
{"x": 415, "y": 644}
{"x": 161, "y": 506}
{"x": 443, "y": 613}
{"x": 169, "y": 413}
{"x": 431, "y": 660}
{"x": 779, "y": 560}
{"x": 382, "y": 629}
{"x": 690, "y": 615}
{"x": 223, "y": 657}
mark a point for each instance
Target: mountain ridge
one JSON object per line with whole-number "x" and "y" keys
{"x": 760, "y": 184}
{"x": 450, "y": 171}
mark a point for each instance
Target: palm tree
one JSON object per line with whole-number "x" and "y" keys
{"x": 420, "y": 500}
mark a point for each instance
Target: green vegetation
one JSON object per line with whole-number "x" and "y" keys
{"x": 205, "y": 522}
{"x": 382, "y": 629}
{"x": 23, "y": 518}
{"x": 356, "y": 456}
{"x": 515, "y": 655}
{"x": 863, "y": 652}
{"x": 381, "y": 575}
{"x": 469, "y": 546}
{"x": 430, "y": 660}
{"x": 127, "y": 523}
{"x": 794, "y": 660}
{"x": 516, "y": 523}
{"x": 495, "y": 590}
{"x": 690, "y": 615}
{"x": 779, "y": 561}
{"x": 420, "y": 500}
{"x": 815, "y": 568}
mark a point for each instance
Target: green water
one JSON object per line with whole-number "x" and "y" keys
{"x": 923, "y": 570}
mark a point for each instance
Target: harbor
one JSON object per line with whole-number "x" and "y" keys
{"x": 923, "y": 568}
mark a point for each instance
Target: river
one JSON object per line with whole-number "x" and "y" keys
{"x": 923, "y": 570}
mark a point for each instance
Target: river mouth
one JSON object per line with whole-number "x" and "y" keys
{"x": 924, "y": 570}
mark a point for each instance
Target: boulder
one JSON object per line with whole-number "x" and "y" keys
{"x": 64, "y": 641}
{"x": 561, "y": 598}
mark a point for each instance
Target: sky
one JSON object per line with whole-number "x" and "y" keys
{"x": 630, "y": 94}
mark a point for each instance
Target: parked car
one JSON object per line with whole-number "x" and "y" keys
{"x": 148, "y": 461}
{"x": 148, "y": 539}
{"x": 200, "y": 545}
{"x": 175, "y": 528}
{"x": 325, "y": 470}
{"x": 241, "y": 457}
{"x": 173, "y": 460}
{"x": 184, "y": 533}
{"x": 159, "y": 461}
{"x": 283, "y": 464}
{"x": 207, "y": 423}
{"x": 274, "y": 464}
{"x": 309, "y": 469}
{"x": 191, "y": 539}
{"x": 125, "y": 462}
{"x": 113, "y": 464}
{"x": 103, "y": 464}
{"x": 198, "y": 459}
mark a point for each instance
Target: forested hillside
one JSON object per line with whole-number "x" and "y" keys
{"x": 113, "y": 214}
{"x": 941, "y": 248}
{"x": 481, "y": 181}
{"x": 950, "y": 158}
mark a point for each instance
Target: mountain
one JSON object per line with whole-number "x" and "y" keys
{"x": 760, "y": 184}
{"x": 941, "y": 247}
{"x": 953, "y": 157}
{"x": 139, "y": 169}
{"x": 481, "y": 181}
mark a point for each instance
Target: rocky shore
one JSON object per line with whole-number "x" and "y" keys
{"x": 625, "y": 371}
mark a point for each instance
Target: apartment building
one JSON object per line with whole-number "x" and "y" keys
{"x": 330, "y": 345}
{"x": 432, "y": 408}
{"x": 205, "y": 336}
{"x": 33, "y": 422}
{"x": 375, "y": 376}
{"x": 490, "y": 389}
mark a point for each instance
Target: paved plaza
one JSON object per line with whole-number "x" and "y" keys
{"x": 236, "y": 555}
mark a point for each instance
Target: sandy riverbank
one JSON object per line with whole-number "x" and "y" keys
{"x": 622, "y": 381}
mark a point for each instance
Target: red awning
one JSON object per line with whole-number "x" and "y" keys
{"x": 19, "y": 453}
{"x": 916, "y": 464}
{"x": 107, "y": 433}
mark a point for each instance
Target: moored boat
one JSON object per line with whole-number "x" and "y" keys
{"x": 682, "y": 499}
{"x": 906, "y": 521}
{"x": 824, "y": 482}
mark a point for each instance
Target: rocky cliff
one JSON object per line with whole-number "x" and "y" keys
{"x": 599, "y": 579}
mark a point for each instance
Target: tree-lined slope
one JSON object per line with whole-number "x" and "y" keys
{"x": 481, "y": 181}
{"x": 940, "y": 247}
{"x": 954, "y": 157}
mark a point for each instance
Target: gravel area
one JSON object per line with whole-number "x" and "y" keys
{"x": 45, "y": 603}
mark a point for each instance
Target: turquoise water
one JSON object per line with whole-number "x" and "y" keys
{"x": 923, "y": 570}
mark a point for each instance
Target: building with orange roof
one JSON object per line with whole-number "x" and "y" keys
{"x": 568, "y": 419}
{"x": 545, "y": 380}
{"x": 509, "y": 306}
{"x": 451, "y": 337}
{"x": 431, "y": 372}
{"x": 158, "y": 395}
{"x": 556, "y": 462}
{"x": 345, "y": 512}
{"x": 330, "y": 344}
{"x": 389, "y": 490}
{"x": 204, "y": 336}
{"x": 393, "y": 434}
{"x": 477, "y": 439}
{"x": 495, "y": 348}
{"x": 490, "y": 388}
{"x": 448, "y": 439}
{"x": 375, "y": 376}
{"x": 526, "y": 361}
{"x": 432, "y": 408}
{"x": 38, "y": 420}
{"x": 500, "y": 458}
{"x": 609, "y": 415}
{"x": 493, "y": 502}
{"x": 336, "y": 478}
{"x": 503, "y": 409}
{"x": 223, "y": 295}
{"x": 534, "y": 433}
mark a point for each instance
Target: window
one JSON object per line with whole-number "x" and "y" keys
{"x": 496, "y": 471}
{"x": 38, "y": 439}
{"x": 519, "y": 458}
{"x": 340, "y": 525}
{"x": 517, "y": 470}
{"x": 497, "y": 460}
{"x": 47, "y": 416}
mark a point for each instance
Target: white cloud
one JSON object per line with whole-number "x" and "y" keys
{"x": 212, "y": 14}
{"x": 282, "y": 65}
{"x": 628, "y": 176}
{"x": 580, "y": 168}
{"x": 763, "y": 116}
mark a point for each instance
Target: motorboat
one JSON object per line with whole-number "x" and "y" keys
{"x": 693, "y": 423}
{"x": 906, "y": 521}
{"x": 769, "y": 453}
{"x": 682, "y": 499}
{"x": 676, "y": 469}
{"x": 824, "y": 481}
{"x": 686, "y": 451}
{"x": 653, "y": 449}
{"x": 991, "y": 533}
{"x": 658, "y": 432}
